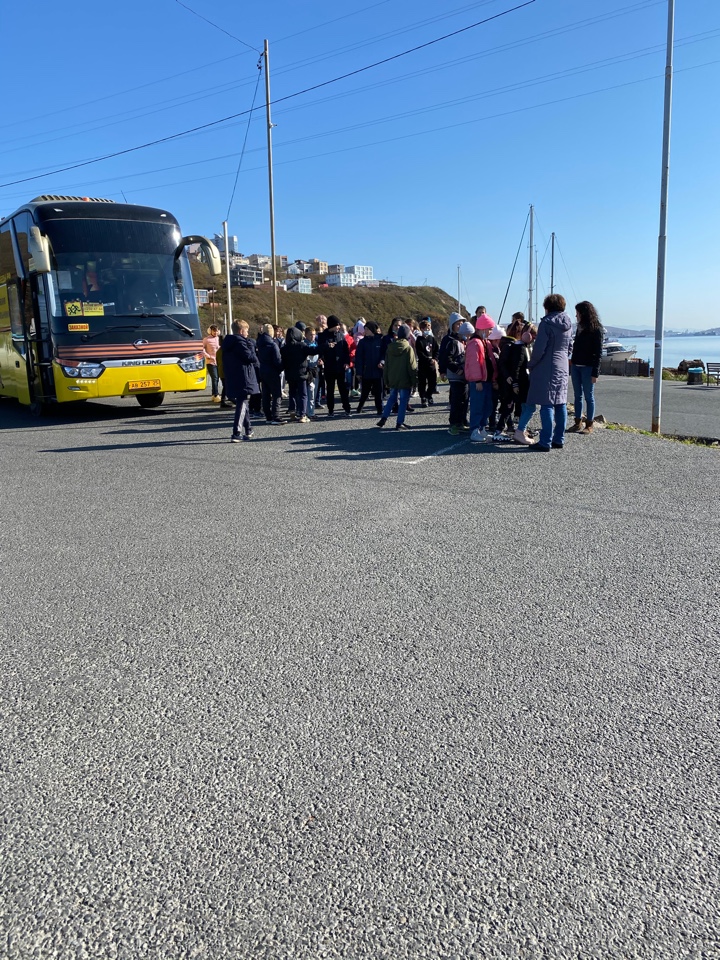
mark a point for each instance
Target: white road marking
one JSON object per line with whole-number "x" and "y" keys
{"x": 438, "y": 453}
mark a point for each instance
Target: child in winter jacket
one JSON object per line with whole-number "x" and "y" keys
{"x": 481, "y": 375}
{"x": 427, "y": 349}
{"x": 451, "y": 361}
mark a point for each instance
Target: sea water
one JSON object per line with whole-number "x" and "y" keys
{"x": 676, "y": 349}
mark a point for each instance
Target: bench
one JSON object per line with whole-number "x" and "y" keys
{"x": 712, "y": 371}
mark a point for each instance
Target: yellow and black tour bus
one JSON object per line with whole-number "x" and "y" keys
{"x": 97, "y": 300}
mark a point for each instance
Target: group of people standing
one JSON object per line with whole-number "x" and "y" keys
{"x": 497, "y": 378}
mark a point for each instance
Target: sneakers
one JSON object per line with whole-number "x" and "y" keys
{"x": 382, "y": 421}
{"x": 539, "y": 448}
{"x": 423, "y": 403}
{"x": 402, "y": 426}
{"x": 235, "y": 438}
{"x": 431, "y": 402}
{"x": 520, "y": 437}
{"x": 464, "y": 428}
{"x": 454, "y": 430}
{"x": 354, "y": 393}
{"x": 558, "y": 446}
{"x": 249, "y": 435}
{"x": 215, "y": 400}
{"x": 331, "y": 413}
{"x": 479, "y": 436}
{"x": 304, "y": 420}
{"x": 497, "y": 437}
{"x": 348, "y": 413}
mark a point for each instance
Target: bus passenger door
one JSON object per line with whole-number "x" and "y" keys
{"x": 20, "y": 362}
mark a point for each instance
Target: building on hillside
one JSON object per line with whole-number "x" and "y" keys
{"x": 202, "y": 297}
{"x": 219, "y": 241}
{"x": 299, "y": 285}
{"x": 319, "y": 266}
{"x": 367, "y": 283}
{"x": 281, "y": 262}
{"x": 362, "y": 273}
{"x": 299, "y": 267}
{"x": 341, "y": 279}
{"x": 260, "y": 260}
{"x": 335, "y": 268}
{"x": 244, "y": 274}
{"x": 388, "y": 283}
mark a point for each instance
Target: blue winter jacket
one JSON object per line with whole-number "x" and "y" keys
{"x": 240, "y": 365}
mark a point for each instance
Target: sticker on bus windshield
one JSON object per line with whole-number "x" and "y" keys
{"x": 73, "y": 308}
{"x": 94, "y": 309}
{"x": 78, "y": 326}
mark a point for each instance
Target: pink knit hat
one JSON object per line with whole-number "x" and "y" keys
{"x": 484, "y": 322}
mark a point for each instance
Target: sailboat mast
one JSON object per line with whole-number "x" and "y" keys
{"x": 531, "y": 277}
{"x": 552, "y": 264}
{"x": 458, "y": 296}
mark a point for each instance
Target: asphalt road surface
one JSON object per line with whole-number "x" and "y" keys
{"x": 343, "y": 692}
{"x": 692, "y": 411}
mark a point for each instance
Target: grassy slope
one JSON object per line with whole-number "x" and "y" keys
{"x": 348, "y": 303}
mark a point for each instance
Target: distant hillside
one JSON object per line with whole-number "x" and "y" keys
{"x": 380, "y": 303}
{"x": 627, "y": 333}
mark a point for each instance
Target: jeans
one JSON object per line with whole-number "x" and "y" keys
{"x": 401, "y": 396}
{"x": 371, "y": 385}
{"x": 481, "y": 405}
{"x": 311, "y": 390}
{"x": 583, "y": 386}
{"x": 552, "y": 422}
{"x": 214, "y": 378}
{"x": 458, "y": 402}
{"x": 298, "y": 393}
{"x": 242, "y": 414}
{"x": 271, "y": 396}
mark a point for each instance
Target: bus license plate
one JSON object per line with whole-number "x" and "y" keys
{"x": 143, "y": 384}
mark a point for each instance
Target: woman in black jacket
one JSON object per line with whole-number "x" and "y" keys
{"x": 585, "y": 364}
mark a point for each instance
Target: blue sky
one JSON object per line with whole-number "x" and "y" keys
{"x": 414, "y": 166}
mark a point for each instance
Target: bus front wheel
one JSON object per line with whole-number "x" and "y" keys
{"x": 147, "y": 400}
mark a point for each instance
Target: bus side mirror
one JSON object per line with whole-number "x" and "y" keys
{"x": 39, "y": 250}
{"x": 208, "y": 251}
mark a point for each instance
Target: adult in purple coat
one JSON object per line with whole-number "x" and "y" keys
{"x": 549, "y": 377}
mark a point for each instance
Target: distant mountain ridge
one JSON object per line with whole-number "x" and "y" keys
{"x": 626, "y": 333}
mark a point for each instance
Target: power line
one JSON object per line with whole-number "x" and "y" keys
{"x": 419, "y": 133}
{"x": 247, "y": 131}
{"x": 221, "y": 29}
{"x": 317, "y": 86}
{"x": 216, "y": 90}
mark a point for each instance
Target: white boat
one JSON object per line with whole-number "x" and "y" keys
{"x": 615, "y": 350}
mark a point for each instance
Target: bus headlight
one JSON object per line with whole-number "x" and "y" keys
{"x": 195, "y": 362}
{"x": 84, "y": 371}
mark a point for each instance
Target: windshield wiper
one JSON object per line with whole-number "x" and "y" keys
{"x": 91, "y": 336}
{"x": 166, "y": 316}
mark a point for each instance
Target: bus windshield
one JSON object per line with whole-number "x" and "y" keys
{"x": 117, "y": 268}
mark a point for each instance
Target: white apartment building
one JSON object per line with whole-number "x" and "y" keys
{"x": 362, "y": 273}
{"x": 341, "y": 279}
{"x": 299, "y": 285}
